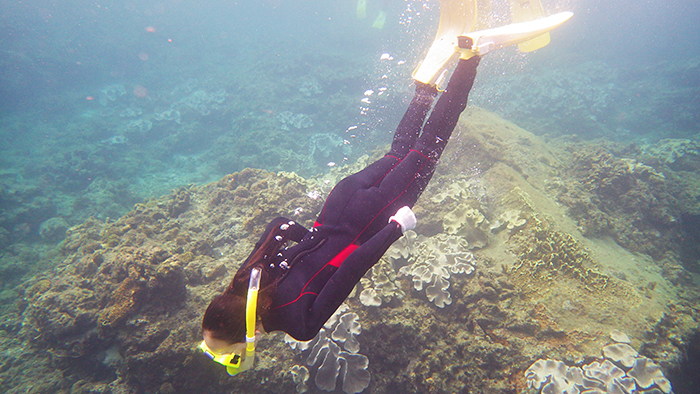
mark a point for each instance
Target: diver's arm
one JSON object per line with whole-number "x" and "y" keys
{"x": 349, "y": 273}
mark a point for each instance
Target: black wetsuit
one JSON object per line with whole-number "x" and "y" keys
{"x": 353, "y": 230}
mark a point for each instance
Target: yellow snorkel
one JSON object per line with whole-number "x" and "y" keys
{"x": 250, "y": 316}
{"x": 233, "y": 362}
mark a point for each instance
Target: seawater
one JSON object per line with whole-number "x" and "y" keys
{"x": 104, "y": 104}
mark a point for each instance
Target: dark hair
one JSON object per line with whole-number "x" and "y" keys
{"x": 225, "y": 315}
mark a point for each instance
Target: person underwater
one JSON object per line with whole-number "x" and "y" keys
{"x": 296, "y": 278}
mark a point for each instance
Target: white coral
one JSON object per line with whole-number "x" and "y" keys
{"x": 599, "y": 377}
{"x": 437, "y": 292}
{"x": 369, "y": 297}
{"x": 621, "y": 352}
{"x": 619, "y": 336}
{"x": 438, "y": 258}
{"x": 462, "y": 217}
{"x": 345, "y": 332}
{"x": 646, "y": 373}
{"x": 331, "y": 360}
{"x": 384, "y": 279}
{"x": 404, "y": 247}
{"x": 300, "y": 374}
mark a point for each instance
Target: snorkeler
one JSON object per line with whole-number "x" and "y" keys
{"x": 296, "y": 288}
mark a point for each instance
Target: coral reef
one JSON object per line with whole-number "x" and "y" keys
{"x": 300, "y": 375}
{"x": 671, "y": 150}
{"x": 297, "y": 121}
{"x": 404, "y": 247}
{"x": 545, "y": 253}
{"x": 325, "y": 146}
{"x": 594, "y": 99}
{"x": 202, "y": 101}
{"x": 510, "y": 220}
{"x": 436, "y": 260}
{"x": 98, "y": 148}
{"x": 382, "y": 285}
{"x": 370, "y": 297}
{"x": 621, "y": 371}
{"x": 622, "y": 198}
{"x": 117, "y": 307}
{"x": 118, "y": 281}
{"x": 111, "y": 93}
{"x": 170, "y": 114}
{"x": 54, "y": 229}
{"x": 139, "y": 126}
{"x": 130, "y": 112}
{"x": 310, "y": 87}
{"x": 125, "y": 299}
{"x": 466, "y": 219}
{"x": 325, "y": 351}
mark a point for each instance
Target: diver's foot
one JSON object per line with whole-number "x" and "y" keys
{"x": 485, "y": 41}
{"x": 466, "y": 45}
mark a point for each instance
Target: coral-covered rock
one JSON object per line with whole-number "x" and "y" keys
{"x": 120, "y": 307}
{"x": 53, "y": 230}
{"x": 614, "y": 195}
{"x": 123, "y": 302}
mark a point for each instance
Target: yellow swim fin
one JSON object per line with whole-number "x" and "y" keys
{"x": 456, "y": 17}
{"x": 525, "y": 11}
{"x": 485, "y": 41}
{"x": 361, "y": 10}
{"x": 379, "y": 20}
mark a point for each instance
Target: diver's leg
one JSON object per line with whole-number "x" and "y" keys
{"x": 443, "y": 119}
{"x": 407, "y": 180}
{"x": 409, "y": 128}
{"x": 404, "y": 138}
{"x": 403, "y": 183}
{"x": 344, "y": 191}
{"x": 396, "y": 183}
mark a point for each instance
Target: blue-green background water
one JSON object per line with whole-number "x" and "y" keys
{"x": 106, "y": 103}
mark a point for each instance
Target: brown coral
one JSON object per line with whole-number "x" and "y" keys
{"x": 611, "y": 194}
{"x": 126, "y": 298}
{"x": 37, "y": 289}
{"x": 545, "y": 253}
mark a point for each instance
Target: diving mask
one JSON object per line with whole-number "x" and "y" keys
{"x": 235, "y": 362}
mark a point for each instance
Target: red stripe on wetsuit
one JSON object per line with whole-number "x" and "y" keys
{"x": 335, "y": 262}
{"x": 344, "y": 254}
{"x": 347, "y": 251}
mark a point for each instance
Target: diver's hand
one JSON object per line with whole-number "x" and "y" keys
{"x": 405, "y": 218}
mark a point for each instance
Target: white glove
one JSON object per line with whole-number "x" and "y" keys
{"x": 405, "y": 218}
